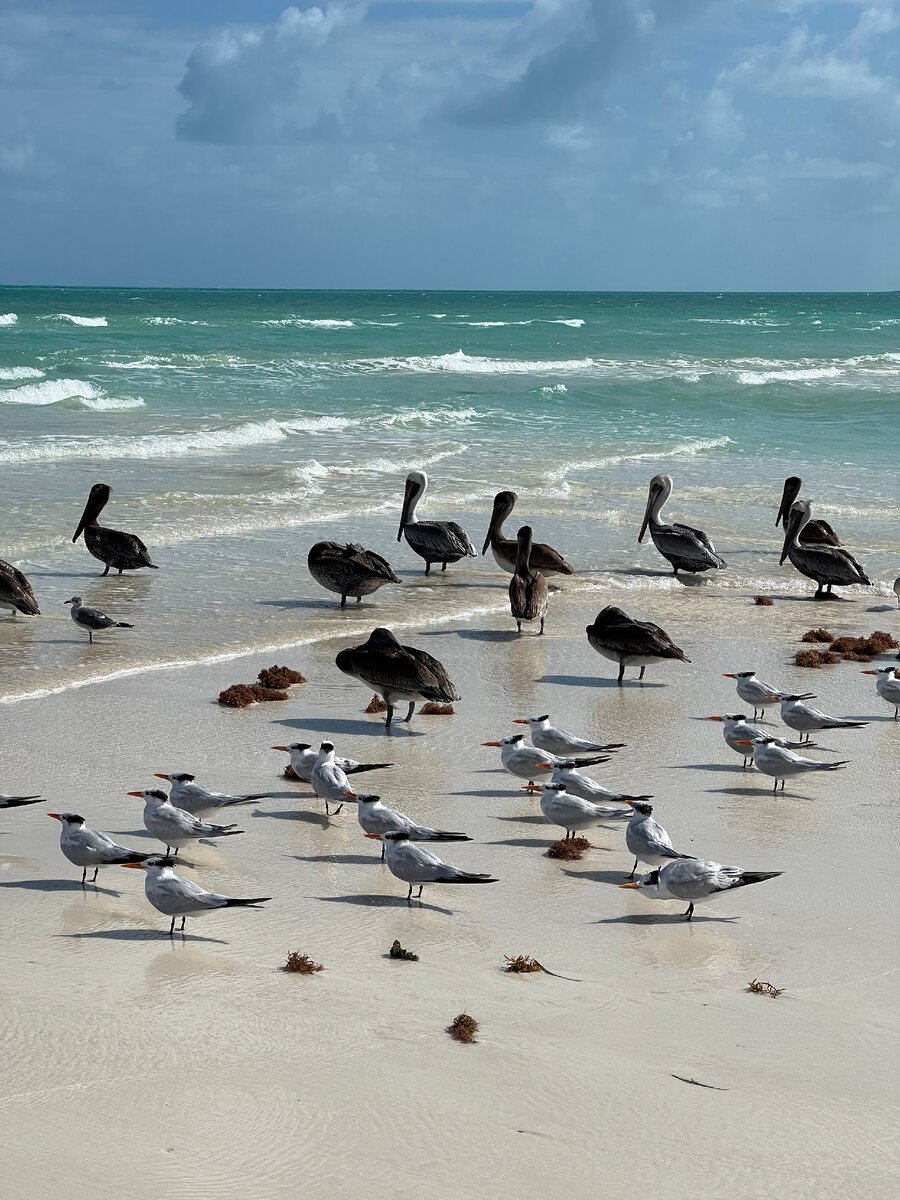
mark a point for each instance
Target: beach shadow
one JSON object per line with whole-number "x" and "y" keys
{"x": 703, "y": 767}
{"x": 385, "y": 902}
{"x": 610, "y": 877}
{"x": 596, "y": 681}
{"x": 525, "y": 820}
{"x": 543, "y": 842}
{"x": 359, "y": 859}
{"x": 302, "y": 815}
{"x": 141, "y": 935}
{"x": 505, "y": 795}
{"x": 338, "y": 725}
{"x": 287, "y": 604}
{"x": 666, "y": 919}
{"x": 59, "y": 885}
{"x": 758, "y": 793}
{"x": 476, "y": 635}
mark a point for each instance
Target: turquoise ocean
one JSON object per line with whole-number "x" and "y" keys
{"x": 237, "y": 428}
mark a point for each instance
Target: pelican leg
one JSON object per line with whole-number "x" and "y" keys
{"x": 91, "y": 636}
{"x": 343, "y": 600}
{"x": 675, "y": 572}
{"x": 410, "y": 711}
{"x": 633, "y": 869}
{"x": 427, "y": 568}
{"x": 390, "y": 715}
{"x": 621, "y": 673}
{"x": 106, "y": 572}
{"x": 359, "y": 599}
{"x": 443, "y": 568}
{"x": 690, "y": 911}
{"x": 120, "y": 570}
{"x": 641, "y": 676}
{"x": 518, "y": 627}
{"x": 541, "y": 630}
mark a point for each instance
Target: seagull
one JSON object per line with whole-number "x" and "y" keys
{"x": 328, "y": 780}
{"x": 887, "y": 685}
{"x": 558, "y": 741}
{"x": 414, "y": 864}
{"x": 696, "y": 879}
{"x": 173, "y": 826}
{"x": 572, "y": 813}
{"x": 17, "y": 801}
{"x": 646, "y": 838}
{"x": 397, "y": 672}
{"x": 779, "y": 763}
{"x": 177, "y": 897}
{"x": 753, "y": 691}
{"x": 303, "y": 759}
{"x": 587, "y": 789}
{"x": 806, "y": 719}
{"x": 92, "y": 619}
{"x": 376, "y": 819}
{"x": 527, "y": 762}
{"x": 89, "y": 848}
{"x": 197, "y": 800}
{"x": 737, "y": 731}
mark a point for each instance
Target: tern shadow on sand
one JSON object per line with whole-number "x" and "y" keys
{"x": 357, "y": 859}
{"x": 333, "y": 725}
{"x": 381, "y": 901}
{"x": 59, "y": 885}
{"x": 666, "y": 919}
{"x": 142, "y": 935}
{"x": 704, "y": 767}
{"x": 610, "y": 877}
{"x": 543, "y": 842}
{"x": 497, "y": 794}
{"x": 596, "y": 681}
{"x": 296, "y": 814}
{"x": 757, "y": 793}
{"x": 527, "y": 821}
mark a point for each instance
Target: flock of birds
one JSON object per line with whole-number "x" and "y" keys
{"x": 552, "y": 765}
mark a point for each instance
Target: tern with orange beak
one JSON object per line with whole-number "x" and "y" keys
{"x": 696, "y": 880}
{"x": 773, "y": 758}
{"x": 177, "y": 897}
{"x": 17, "y": 801}
{"x": 415, "y": 865}
{"x": 528, "y": 762}
{"x": 376, "y": 819}
{"x": 887, "y": 685}
{"x": 86, "y": 847}
{"x": 558, "y": 741}
{"x": 753, "y": 691}
{"x": 329, "y": 781}
{"x": 198, "y": 801}
{"x": 572, "y": 813}
{"x": 304, "y": 757}
{"x": 806, "y": 719}
{"x": 646, "y": 838}
{"x": 173, "y": 826}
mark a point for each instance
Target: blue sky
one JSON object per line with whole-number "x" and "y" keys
{"x": 596, "y": 144}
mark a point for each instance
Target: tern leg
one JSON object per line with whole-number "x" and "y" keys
{"x": 621, "y": 673}
{"x": 327, "y": 809}
{"x": 84, "y": 877}
{"x": 412, "y": 709}
{"x": 419, "y": 893}
{"x": 94, "y": 880}
{"x": 409, "y": 894}
{"x": 337, "y": 810}
{"x": 182, "y": 924}
{"x": 172, "y": 928}
{"x": 690, "y": 911}
{"x": 641, "y": 676}
{"x": 382, "y": 851}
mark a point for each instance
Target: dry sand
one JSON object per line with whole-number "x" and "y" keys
{"x": 135, "y": 1065}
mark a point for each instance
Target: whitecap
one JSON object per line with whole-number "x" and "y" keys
{"x": 573, "y": 322}
{"x": 11, "y": 373}
{"x": 80, "y": 320}
{"x": 51, "y": 391}
{"x": 462, "y": 363}
{"x": 795, "y": 375}
{"x": 8, "y": 318}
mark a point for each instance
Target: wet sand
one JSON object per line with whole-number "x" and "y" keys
{"x": 135, "y": 1064}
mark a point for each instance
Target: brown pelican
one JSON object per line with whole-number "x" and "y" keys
{"x": 15, "y": 591}
{"x": 827, "y": 565}
{"x": 543, "y": 558}
{"x": 630, "y": 643}
{"x": 818, "y": 533}
{"x": 349, "y": 570}
{"x": 527, "y": 588}
{"x": 397, "y": 672}
{"x": 124, "y": 551}
{"x": 687, "y": 549}
{"x": 435, "y": 541}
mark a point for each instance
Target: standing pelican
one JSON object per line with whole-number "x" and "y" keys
{"x": 124, "y": 551}
{"x": 816, "y": 533}
{"x": 435, "y": 541}
{"x": 15, "y": 591}
{"x": 527, "y": 588}
{"x": 397, "y": 672}
{"x": 543, "y": 558}
{"x": 630, "y": 643}
{"x": 827, "y": 565}
{"x": 349, "y": 570}
{"x": 687, "y": 549}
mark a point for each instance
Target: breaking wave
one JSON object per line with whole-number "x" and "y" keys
{"x": 8, "y": 318}
{"x": 79, "y": 320}
{"x": 11, "y": 373}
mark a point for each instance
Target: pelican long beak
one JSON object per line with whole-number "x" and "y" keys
{"x": 92, "y": 510}
{"x": 404, "y": 512}
{"x": 280, "y": 748}
{"x": 634, "y": 886}
{"x": 55, "y": 816}
{"x": 650, "y": 499}
{"x": 714, "y": 718}
{"x": 138, "y": 794}
{"x": 491, "y": 744}
{"x": 156, "y": 775}
{"x": 788, "y": 496}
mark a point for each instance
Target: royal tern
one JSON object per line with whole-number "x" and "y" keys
{"x": 197, "y": 800}
{"x": 778, "y": 762}
{"x": 543, "y": 558}
{"x": 397, "y": 672}
{"x": 177, "y": 897}
{"x": 686, "y": 548}
{"x": 416, "y": 865}
{"x": 816, "y": 532}
{"x": 349, "y": 570}
{"x": 17, "y": 801}
{"x": 559, "y": 741}
{"x": 695, "y": 880}
{"x": 435, "y": 541}
{"x": 753, "y": 691}
{"x": 827, "y": 565}
{"x": 89, "y": 848}
{"x": 328, "y": 780}
{"x": 15, "y": 591}
{"x": 528, "y": 762}
{"x": 738, "y": 732}
{"x": 124, "y": 551}
{"x": 646, "y": 838}
{"x": 528, "y": 591}
{"x": 630, "y": 643}
{"x": 376, "y": 819}
{"x": 887, "y": 685}
{"x": 572, "y": 813}
{"x": 173, "y": 826}
{"x": 806, "y": 719}
{"x": 304, "y": 756}
{"x": 587, "y": 789}
{"x": 92, "y": 619}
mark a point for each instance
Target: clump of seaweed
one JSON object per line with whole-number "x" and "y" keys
{"x": 431, "y": 709}
{"x": 290, "y": 773}
{"x": 569, "y": 849}
{"x": 301, "y": 963}
{"x": 852, "y": 656}
{"x": 763, "y": 989}
{"x": 765, "y": 601}
{"x": 239, "y": 695}
{"x": 522, "y": 964}
{"x": 814, "y": 658}
{"x": 842, "y": 645}
{"x": 376, "y": 705}
{"x": 463, "y": 1028}
{"x": 279, "y": 677}
{"x": 880, "y": 642}
{"x": 397, "y": 951}
{"x": 817, "y": 635}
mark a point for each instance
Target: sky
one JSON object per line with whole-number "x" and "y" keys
{"x": 687, "y": 145}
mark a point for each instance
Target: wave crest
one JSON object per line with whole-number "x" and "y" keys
{"x": 8, "y": 319}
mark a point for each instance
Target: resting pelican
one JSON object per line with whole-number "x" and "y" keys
{"x": 15, "y": 591}
{"x": 528, "y": 588}
{"x": 435, "y": 541}
{"x": 630, "y": 643}
{"x": 397, "y": 672}
{"x": 817, "y": 533}
{"x": 827, "y": 565}
{"x": 124, "y": 551}
{"x": 543, "y": 558}
{"x": 349, "y": 570}
{"x": 687, "y": 549}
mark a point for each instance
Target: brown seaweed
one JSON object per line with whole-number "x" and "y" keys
{"x": 463, "y": 1028}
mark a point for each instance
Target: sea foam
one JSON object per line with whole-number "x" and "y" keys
{"x": 8, "y": 319}
{"x": 11, "y": 373}
{"x": 80, "y": 320}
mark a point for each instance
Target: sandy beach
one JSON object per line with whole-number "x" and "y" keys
{"x": 196, "y": 1065}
